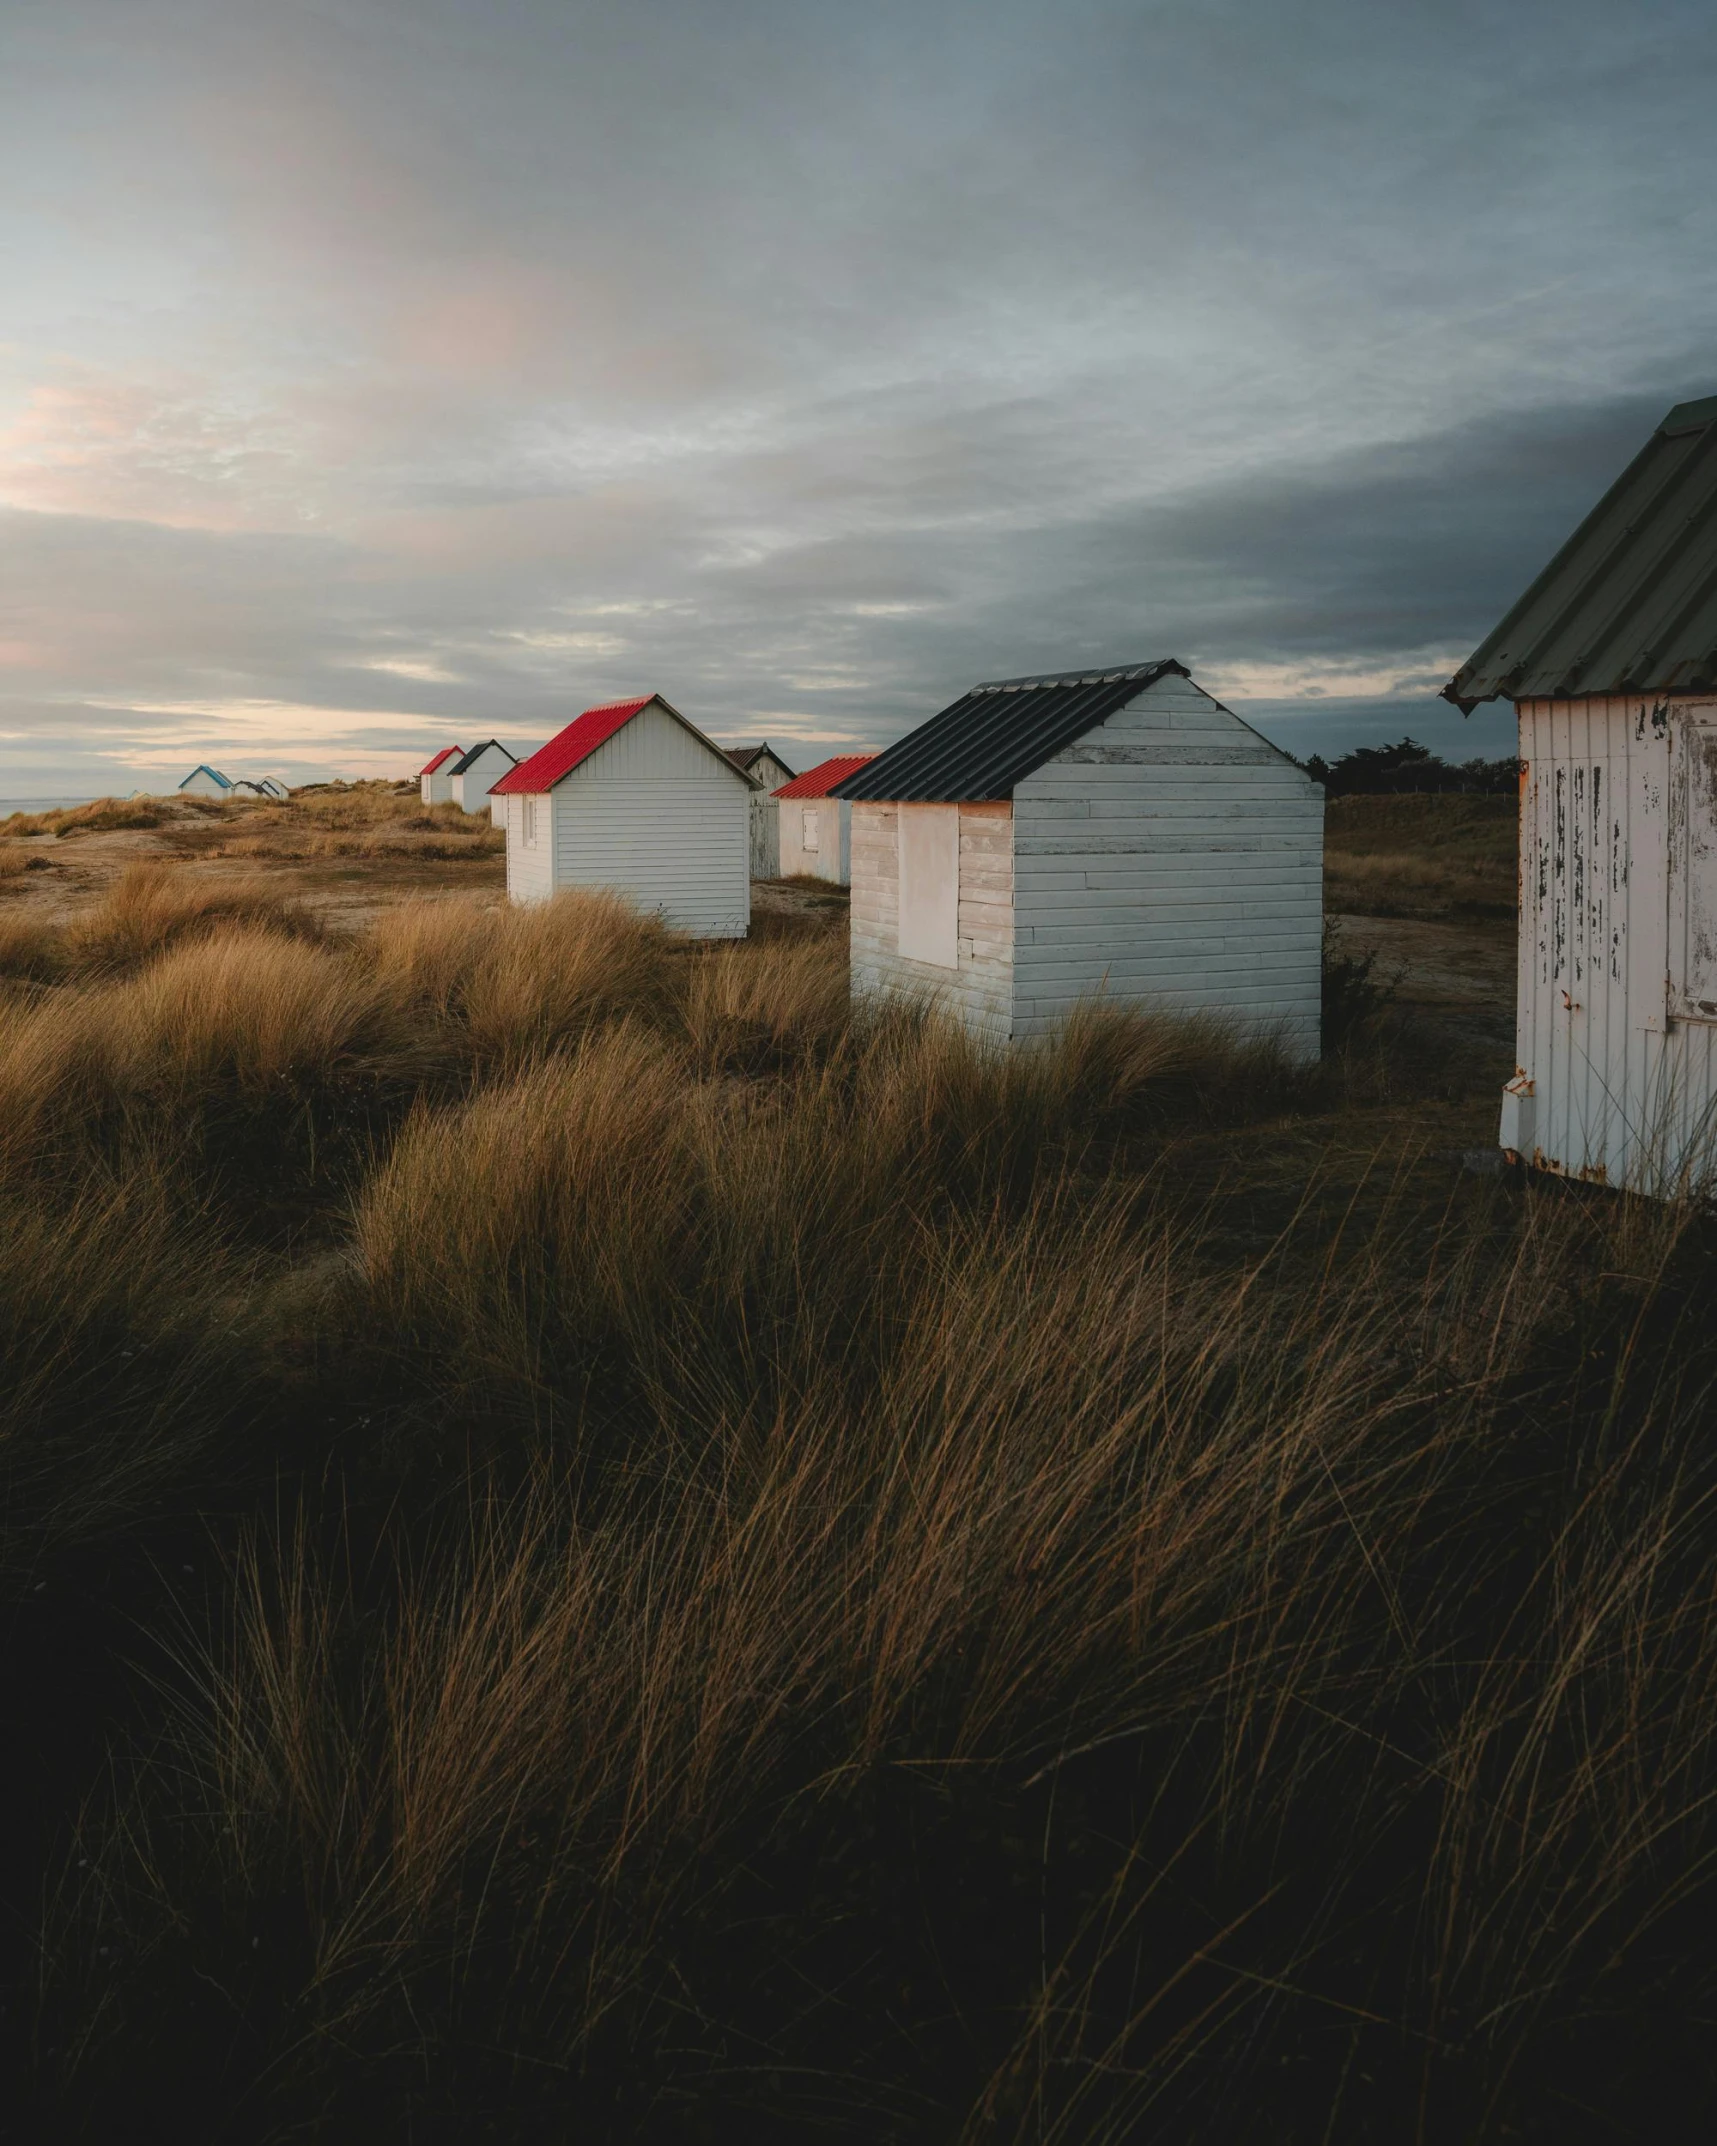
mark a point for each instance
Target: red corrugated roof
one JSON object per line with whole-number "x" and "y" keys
{"x": 820, "y": 780}
{"x": 568, "y": 747}
{"x": 451, "y": 752}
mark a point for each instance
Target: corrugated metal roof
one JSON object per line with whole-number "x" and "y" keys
{"x": 567, "y": 748}
{"x": 1629, "y": 604}
{"x": 995, "y": 735}
{"x": 552, "y": 762}
{"x": 447, "y": 752}
{"x": 821, "y": 779}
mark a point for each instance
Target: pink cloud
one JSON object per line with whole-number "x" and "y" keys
{"x": 98, "y": 444}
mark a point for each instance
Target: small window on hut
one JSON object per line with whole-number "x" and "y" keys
{"x": 930, "y": 884}
{"x": 528, "y": 821}
{"x": 808, "y": 827}
{"x": 1693, "y": 868}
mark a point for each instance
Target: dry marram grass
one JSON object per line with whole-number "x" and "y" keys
{"x": 730, "y": 1569}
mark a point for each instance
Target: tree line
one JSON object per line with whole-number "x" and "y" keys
{"x": 1376, "y": 770}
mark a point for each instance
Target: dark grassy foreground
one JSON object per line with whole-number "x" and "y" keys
{"x": 593, "y": 1552}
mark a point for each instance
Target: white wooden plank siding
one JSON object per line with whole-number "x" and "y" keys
{"x": 530, "y": 872}
{"x": 1617, "y": 1072}
{"x": 832, "y": 857}
{"x": 1171, "y": 856}
{"x": 765, "y": 837}
{"x": 979, "y": 988}
{"x": 658, "y": 818}
{"x": 470, "y": 788}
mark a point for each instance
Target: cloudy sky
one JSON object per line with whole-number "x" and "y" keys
{"x": 376, "y": 374}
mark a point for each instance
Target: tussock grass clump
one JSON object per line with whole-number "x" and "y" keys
{"x": 30, "y": 949}
{"x": 154, "y": 905}
{"x": 545, "y": 1215}
{"x": 755, "y": 1008}
{"x": 112, "y": 815}
{"x": 518, "y": 982}
{"x": 232, "y": 1055}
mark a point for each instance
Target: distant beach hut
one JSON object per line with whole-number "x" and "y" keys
{"x": 634, "y": 798}
{"x": 271, "y": 786}
{"x": 206, "y": 781}
{"x": 1610, "y": 659}
{"x": 1112, "y": 832}
{"x": 817, "y": 829}
{"x": 435, "y": 778}
{"x": 768, "y": 769}
{"x": 475, "y": 773}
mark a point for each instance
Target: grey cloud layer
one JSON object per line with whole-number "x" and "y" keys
{"x": 810, "y": 361}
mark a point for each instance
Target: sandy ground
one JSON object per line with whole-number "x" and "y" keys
{"x": 1461, "y": 972}
{"x": 70, "y": 872}
{"x": 78, "y": 869}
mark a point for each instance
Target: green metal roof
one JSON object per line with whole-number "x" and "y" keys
{"x": 1629, "y": 604}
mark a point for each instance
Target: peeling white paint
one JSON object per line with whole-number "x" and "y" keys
{"x": 1617, "y": 1000}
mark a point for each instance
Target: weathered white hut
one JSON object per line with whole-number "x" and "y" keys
{"x": 634, "y": 798}
{"x": 1113, "y": 832}
{"x": 475, "y": 773}
{"x": 435, "y": 777}
{"x": 271, "y": 786}
{"x": 817, "y": 829}
{"x": 767, "y": 769}
{"x": 206, "y": 781}
{"x": 1611, "y": 661}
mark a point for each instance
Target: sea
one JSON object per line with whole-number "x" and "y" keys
{"x": 9, "y": 805}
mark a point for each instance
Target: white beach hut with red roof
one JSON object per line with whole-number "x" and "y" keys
{"x": 634, "y": 799}
{"x": 817, "y": 829}
{"x": 435, "y": 778}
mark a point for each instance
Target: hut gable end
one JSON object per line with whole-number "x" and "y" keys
{"x": 1171, "y": 855}
{"x": 631, "y": 797}
{"x": 1173, "y": 722}
{"x": 652, "y": 745}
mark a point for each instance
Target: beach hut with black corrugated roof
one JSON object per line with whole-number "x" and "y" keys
{"x": 1110, "y": 833}
{"x": 474, "y": 774}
